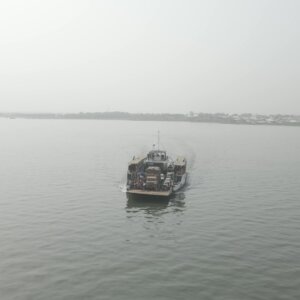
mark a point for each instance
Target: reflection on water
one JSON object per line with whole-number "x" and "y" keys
{"x": 155, "y": 206}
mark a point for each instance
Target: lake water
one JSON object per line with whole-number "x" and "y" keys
{"x": 68, "y": 231}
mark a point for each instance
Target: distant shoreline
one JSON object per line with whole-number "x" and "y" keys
{"x": 221, "y": 118}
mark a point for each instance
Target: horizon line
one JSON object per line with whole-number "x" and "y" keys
{"x": 148, "y": 113}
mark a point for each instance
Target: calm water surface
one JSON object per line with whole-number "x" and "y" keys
{"x": 68, "y": 231}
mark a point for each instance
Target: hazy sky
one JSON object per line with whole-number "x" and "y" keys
{"x": 150, "y": 56}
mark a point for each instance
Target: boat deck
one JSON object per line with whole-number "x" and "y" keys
{"x": 150, "y": 193}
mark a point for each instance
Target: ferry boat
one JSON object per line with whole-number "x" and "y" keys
{"x": 156, "y": 174}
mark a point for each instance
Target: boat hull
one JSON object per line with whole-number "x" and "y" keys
{"x": 150, "y": 193}
{"x": 168, "y": 193}
{"x": 181, "y": 184}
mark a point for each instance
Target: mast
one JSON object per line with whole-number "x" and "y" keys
{"x": 158, "y": 140}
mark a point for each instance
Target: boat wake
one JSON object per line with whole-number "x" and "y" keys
{"x": 122, "y": 187}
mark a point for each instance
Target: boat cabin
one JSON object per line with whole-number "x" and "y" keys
{"x": 157, "y": 155}
{"x": 136, "y": 164}
{"x": 180, "y": 167}
{"x": 157, "y": 158}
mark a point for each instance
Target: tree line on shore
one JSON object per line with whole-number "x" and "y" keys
{"x": 254, "y": 119}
